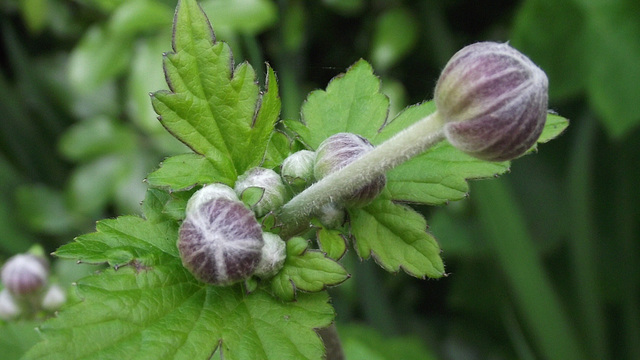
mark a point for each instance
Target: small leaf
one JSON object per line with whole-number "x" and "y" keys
{"x": 554, "y": 126}
{"x": 396, "y": 237}
{"x": 332, "y": 242}
{"x": 278, "y": 149}
{"x": 185, "y": 171}
{"x": 213, "y": 107}
{"x": 251, "y": 195}
{"x": 351, "y": 103}
{"x": 306, "y": 270}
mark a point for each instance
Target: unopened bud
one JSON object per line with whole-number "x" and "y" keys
{"x": 274, "y": 253}
{"x": 338, "y": 151}
{"x": 274, "y": 192}
{"x": 9, "y": 309}
{"x": 24, "y": 274}
{"x": 54, "y": 298}
{"x": 208, "y": 193}
{"x": 297, "y": 168}
{"x": 493, "y": 100}
{"x": 220, "y": 242}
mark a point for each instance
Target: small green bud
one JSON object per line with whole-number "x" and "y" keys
{"x": 274, "y": 253}
{"x": 297, "y": 168}
{"x": 220, "y": 242}
{"x": 274, "y": 190}
{"x": 493, "y": 100}
{"x": 339, "y": 150}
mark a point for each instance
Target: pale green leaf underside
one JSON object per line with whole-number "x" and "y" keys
{"x": 213, "y": 107}
{"x": 351, "y": 103}
{"x": 306, "y": 270}
{"x": 152, "y": 308}
{"x": 396, "y": 237}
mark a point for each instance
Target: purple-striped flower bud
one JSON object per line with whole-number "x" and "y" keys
{"x": 338, "y": 151}
{"x": 493, "y": 100}
{"x": 220, "y": 241}
{"x": 25, "y": 274}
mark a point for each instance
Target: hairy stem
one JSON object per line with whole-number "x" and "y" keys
{"x": 406, "y": 144}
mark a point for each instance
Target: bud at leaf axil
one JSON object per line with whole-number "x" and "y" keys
{"x": 24, "y": 274}
{"x": 297, "y": 168}
{"x": 338, "y": 151}
{"x": 493, "y": 100}
{"x": 274, "y": 253}
{"x": 274, "y": 191}
{"x": 220, "y": 241}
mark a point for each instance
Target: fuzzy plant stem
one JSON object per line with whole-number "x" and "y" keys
{"x": 406, "y": 144}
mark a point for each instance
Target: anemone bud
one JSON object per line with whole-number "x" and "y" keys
{"x": 274, "y": 253}
{"x": 493, "y": 100}
{"x": 338, "y": 151}
{"x": 297, "y": 168}
{"x": 24, "y": 274}
{"x": 274, "y": 191}
{"x": 220, "y": 242}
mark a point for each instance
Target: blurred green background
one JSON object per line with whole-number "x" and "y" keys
{"x": 542, "y": 263}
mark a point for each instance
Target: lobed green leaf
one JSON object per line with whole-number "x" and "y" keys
{"x": 351, "y": 103}
{"x": 306, "y": 270}
{"x": 212, "y": 106}
{"x": 396, "y": 237}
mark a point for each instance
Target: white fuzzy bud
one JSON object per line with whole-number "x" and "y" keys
{"x": 24, "y": 274}
{"x": 274, "y": 191}
{"x": 54, "y": 298}
{"x": 297, "y": 168}
{"x": 274, "y": 254}
{"x": 9, "y": 309}
{"x": 208, "y": 193}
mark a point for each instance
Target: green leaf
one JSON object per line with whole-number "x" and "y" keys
{"x": 351, "y": 103}
{"x": 332, "y": 242}
{"x": 396, "y": 237}
{"x": 278, "y": 149}
{"x": 306, "y": 270}
{"x": 16, "y": 338}
{"x": 185, "y": 171}
{"x": 213, "y": 107}
{"x": 252, "y": 195}
{"x": 150, "y": 307}
{"x": 554, "y": 126}
{"x": 95, "y": 137}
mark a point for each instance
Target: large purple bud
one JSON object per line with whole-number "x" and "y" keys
{"x": 494, "y": 101}
{"x": 220, "y": 241}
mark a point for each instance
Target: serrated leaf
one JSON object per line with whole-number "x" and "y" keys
{"x": 184, "y": 171}
{"x": 351, "y": 103}
{"x": 332, "y": 242}
{"x": 396, "y": 237}
{"x": 212, "y": 106}
{"x": 306, "y": 270}
{"x": 278, "y": 149}
{"x": 151, "y": 307}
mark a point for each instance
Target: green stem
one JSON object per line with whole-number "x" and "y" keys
{"x": 406, "y": 144}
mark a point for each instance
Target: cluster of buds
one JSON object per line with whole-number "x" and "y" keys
{"x": 26, "y": 289}
{"x": 221, "y": 242}
{"x": 491, "y": 103}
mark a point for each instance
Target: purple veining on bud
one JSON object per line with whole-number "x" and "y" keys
{"x": 336, "y": 152}
{"x": 493, "y": 100}
{"x": 267, "y": 179}
{"x": 24, "y": 274}
{"x": 220, "y": 242}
